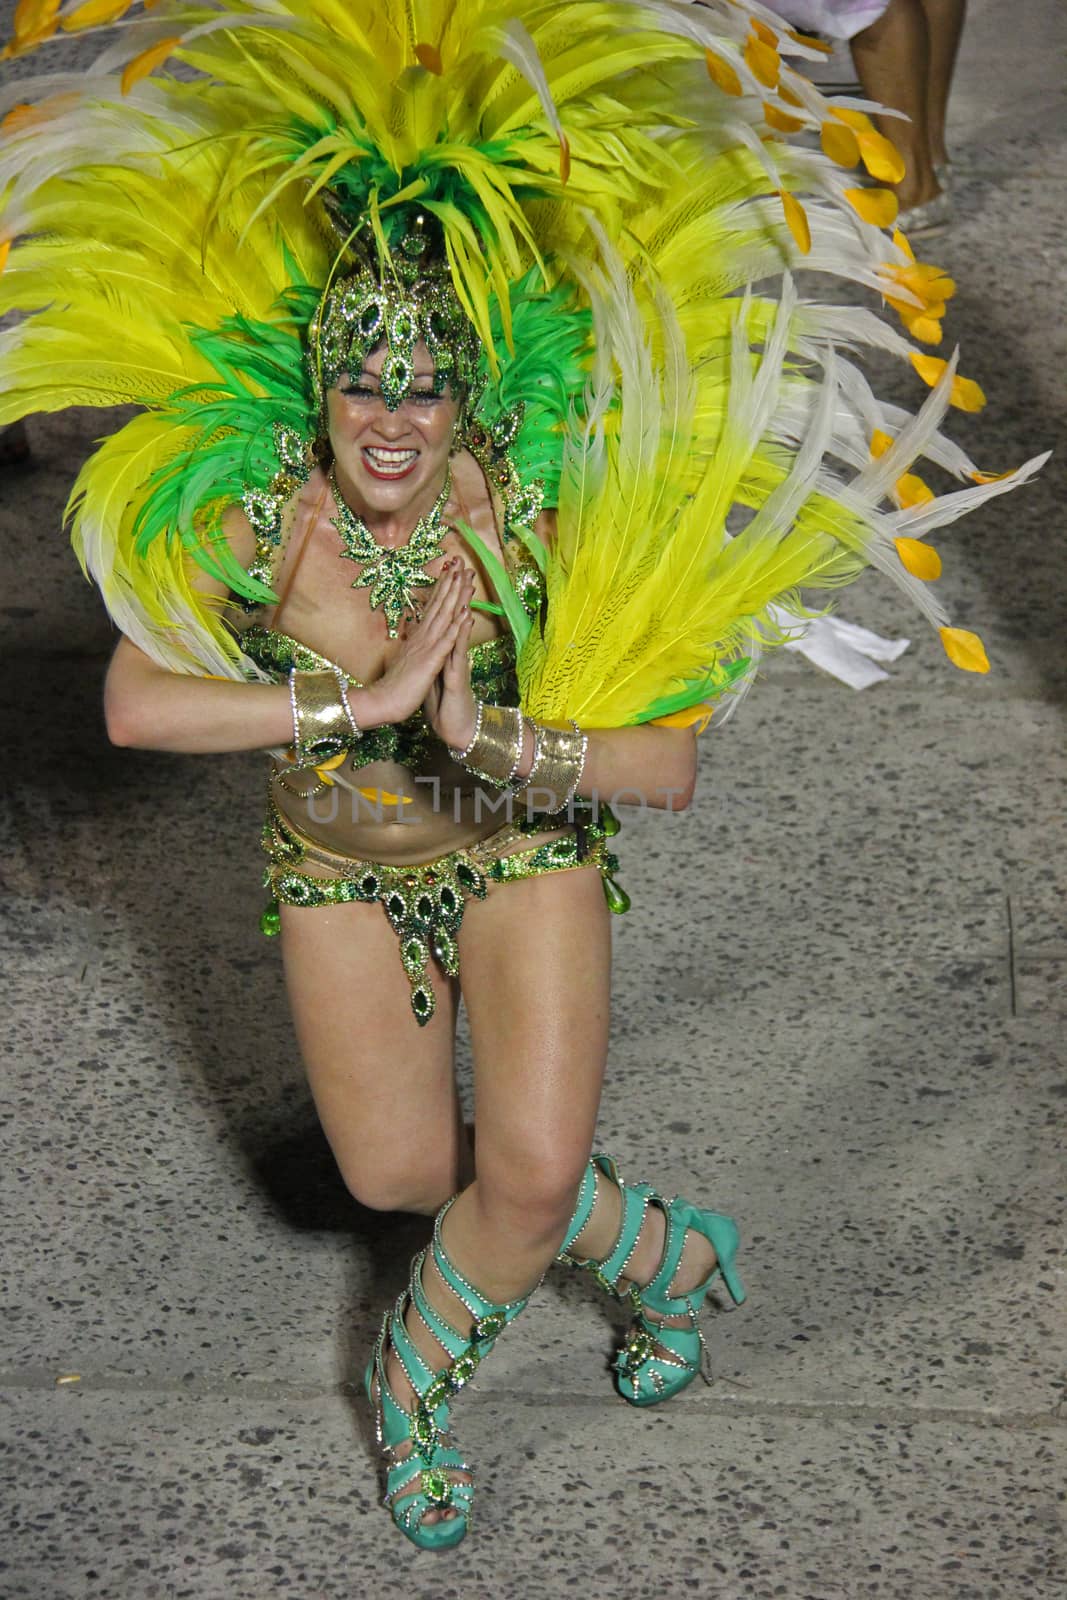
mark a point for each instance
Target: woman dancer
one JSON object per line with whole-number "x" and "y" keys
{"x": 449, "y": 385}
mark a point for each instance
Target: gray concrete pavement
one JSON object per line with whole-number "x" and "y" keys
{"x": 839, "y": 1014}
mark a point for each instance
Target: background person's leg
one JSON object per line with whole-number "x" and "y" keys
{"x": 944, "y": 27}
{"x": 892, "y": 63}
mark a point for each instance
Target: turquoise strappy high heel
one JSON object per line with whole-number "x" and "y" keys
{"x": 423, "y": 1479}
{"x": 656, "y": 1361}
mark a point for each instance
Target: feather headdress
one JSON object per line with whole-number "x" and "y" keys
{"x": 609, "y": 178}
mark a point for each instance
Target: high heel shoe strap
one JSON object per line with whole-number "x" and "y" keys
{"x": 427, "y": 1422}
{"x": 583, "y": 1210}
{"x": 635, "y": 1198}
{"x": 489, "y": 1317}
{"x": 656, "y": 1293}
{"x": 453, "y": 1343}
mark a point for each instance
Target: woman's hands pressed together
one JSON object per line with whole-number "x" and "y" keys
{"x": 431, "y": 669}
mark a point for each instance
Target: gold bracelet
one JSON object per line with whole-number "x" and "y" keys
{"x": 558, "y": 762}
{"x": 495, "y": 750}
{"x": 323, "y": 724}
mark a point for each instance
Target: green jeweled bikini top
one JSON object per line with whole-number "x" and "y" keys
{"x": 492, "y": 678}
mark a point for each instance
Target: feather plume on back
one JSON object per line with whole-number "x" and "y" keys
{"x": 633, "y": 158}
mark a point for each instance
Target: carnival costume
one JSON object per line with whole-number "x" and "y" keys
{"x": 578, "y": 208}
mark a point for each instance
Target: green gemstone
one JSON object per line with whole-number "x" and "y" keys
{"x": 423, "y": 1428}
{"x": 444, "y": 948}
{"x": 436, "y": 1487}
{"x": 270, "y": 922}
{"x": 639, "y": 1348}
{"x": 488, "y": 1327}
{"x": 618, "y": 900}
{"x": 438, "y": 1392}
{"x": 413, "y": 954}
{"x": 464, "y": 1368}
{"x": 609, "y": 822}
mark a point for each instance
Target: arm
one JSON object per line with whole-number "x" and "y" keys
{"x": 645, "y": 765}
{"x": 148, "y": 708}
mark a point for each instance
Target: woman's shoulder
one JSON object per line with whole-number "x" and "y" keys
{"x": 238, "y": 533}
{"x": 261, "y": 550}
{"x": 546, "y": 526}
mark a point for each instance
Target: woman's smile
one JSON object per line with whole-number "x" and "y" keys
{"x": 385, "y": 461}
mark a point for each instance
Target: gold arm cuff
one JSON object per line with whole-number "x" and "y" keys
{"x": 496, "y": 749}
{"x": 558, "y": 763}
{"x": 323, "y": 724}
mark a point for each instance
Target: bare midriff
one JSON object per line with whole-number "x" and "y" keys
{"x": 384, "y": 812}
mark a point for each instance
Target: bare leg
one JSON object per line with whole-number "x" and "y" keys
{"x": 536, "y": 963}
{"x": 893, "y": 63}
{"x": 384, "y": 1088}
{"x": 944, "y": 27}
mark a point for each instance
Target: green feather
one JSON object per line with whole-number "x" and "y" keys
{"x": 510, "y": 604}
{"x": 720, "y": 679}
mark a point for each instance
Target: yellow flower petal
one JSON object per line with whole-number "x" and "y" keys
{"x": 722, "y": 73}
{"x": 881, "y": 157}
{"x": 921, "y": 560}
{"x": 922, "y": 278}
{"x": 880, "y": 443}
{"x": 564, "y": 158}
{"x": 839, "y": 143}
{"x": 926, "y": 328}
{"x": 788, "y": 96}
{"x": 428, "y": 56}
{"x": 965, "y": 650}
{"x": 18, "y": 115}
{"x": 33, "y": 16}
{"x": 383, "y": 797}
{"x": 778, "y": 119}
{"x": 929, "y": 368}
{"x": 912, "y": 491}
{"x": 859, "y": 120}
{"x": 699, "y": 715}
{"x": 877, "y": 206}
{"x": 814, "y": 44}
{"x": 762, "y": 60}
{"x": 901, "y": 242}
{"x": 25, "y": 42}
{"x": 92, "y": 13}
{"x": 797, "y": 220}
{"x": 990, "y": 477}
{"x": 147, "y": 62}
{"x": 966, "y": 394}
{"x": 5, "y": 251}
{"x": 764, "y": 31}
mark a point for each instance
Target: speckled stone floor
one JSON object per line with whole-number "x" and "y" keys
{"x": 840, "y": 1013}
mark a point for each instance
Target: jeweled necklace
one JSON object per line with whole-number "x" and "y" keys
{"x": 392, "y": 575}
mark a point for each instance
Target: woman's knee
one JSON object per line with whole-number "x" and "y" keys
{"x": 537, "y": 1190}
{"x": 399, "y": 1184}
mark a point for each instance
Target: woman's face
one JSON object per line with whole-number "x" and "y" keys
{"x": 390, "y": 463}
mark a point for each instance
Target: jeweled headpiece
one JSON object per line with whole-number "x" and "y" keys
{"x": 406, "y": 297}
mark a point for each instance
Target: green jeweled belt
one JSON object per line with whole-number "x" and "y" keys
{"x": 425, "y": 903}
